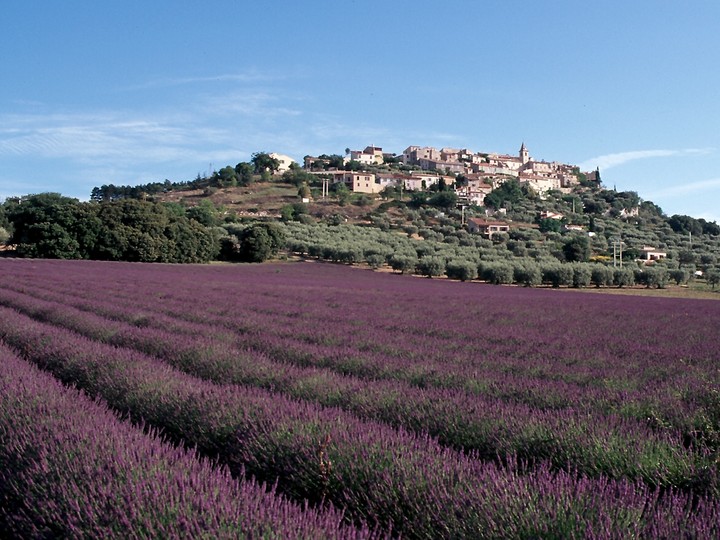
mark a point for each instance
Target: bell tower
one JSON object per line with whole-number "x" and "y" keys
{"x": 524, "y": 154}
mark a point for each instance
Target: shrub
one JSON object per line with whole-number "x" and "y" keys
{"x": 656, "y": 277}
{"x": 498, "y": 273}
{"x": 582, "y": 275}
{"x": 623, "y": 277}
{"x": 405, "y": 264}
{"x": 431, "y": 265}
{"x": 528, "y": 273}
{"x": 679, "y": 276}
{"x": 601, "y": 275}
{"x": 461, "y": 269}
{"x": 375, "y": 260}
{"x": 350, "y": 255}
{"x": 558, "y": 274}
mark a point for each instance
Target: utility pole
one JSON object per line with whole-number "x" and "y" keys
{"x": 617, "y": 244}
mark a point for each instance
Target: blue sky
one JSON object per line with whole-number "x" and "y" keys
{"x": 128, "y": 92}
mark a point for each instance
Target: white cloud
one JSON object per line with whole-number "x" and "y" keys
{"x": 109, "y": 138}
{"x": 686, "y": 189}
{"x": 608, "y": 161}
{"x": 250, "y": 77}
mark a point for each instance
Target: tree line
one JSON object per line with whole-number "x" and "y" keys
{"x": 50, "y": 225}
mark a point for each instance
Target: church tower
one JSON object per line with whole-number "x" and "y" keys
{"x": 524, "y": 154}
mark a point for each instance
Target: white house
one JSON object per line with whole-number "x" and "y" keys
{"x": 285, "y": 161}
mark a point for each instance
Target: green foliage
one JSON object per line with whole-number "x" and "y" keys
{"x": 550, "y": 225}
{"x": 577, "y": 249}
{"x": 244, "y": 173}
{"x": 405, "y": 264}
{"x": 528, "y": 273}
{"x": 375, "y": 260}
{"x": 654, "y": 277}
{"x": 262, "y": 162}
{"x": 461, "y": 269}
{"x": 679, "y": 276}
{"x": 601, "y": 275}
{"x": 582, "y": 275}
{"x": 226, "y": 177}
{"x": 443, "y": 199}
{"x": 293, "y": 212}
{"x": 204, "y": 213}
{"x": 49, "y": 225}
{"x": 342, "y": 193}
{"x": 558, "y": 274}
{"x": 497, "y": 273}
{"x": 431, "y": 266}
{"x": 713, "y": 277}
{"x": 509, "y": 191}
{"x": 685, "y": 224}
{"x": 298, "y": 177}
{"x": 418, "y": 199}
{"x": 623, "y": 277}
{"x": 260, "y": 242}
{"x": 148, "y": 232}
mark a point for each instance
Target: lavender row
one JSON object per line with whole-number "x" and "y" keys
{"x": 386, "y": 476}
{"x": 258, "y": 369}
{"x": 70, "y": 468}
{"x": 591, "y": 444}
{"x": 500, "y": 377}
{"x": 627, "y": 354}
{"x": 540, "y": 355}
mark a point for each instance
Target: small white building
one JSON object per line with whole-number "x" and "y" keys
{"x": 285, "y": 161}
{"x": 649, "y": 255}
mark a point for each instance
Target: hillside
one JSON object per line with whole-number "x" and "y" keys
{"x": 516, "y": 234}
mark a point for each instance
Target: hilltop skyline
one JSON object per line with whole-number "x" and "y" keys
{"x": 136, "y": 93}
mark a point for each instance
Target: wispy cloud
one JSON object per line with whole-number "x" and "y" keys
{"x": 680, "y": 189}
{"x": 608, "y": 161}
{"x": 106, "y": 137}
{"x": 166, "y": 82}
{"x": 249, "y": 104}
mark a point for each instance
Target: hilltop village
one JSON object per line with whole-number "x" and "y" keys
{"x": 426, "y": 166}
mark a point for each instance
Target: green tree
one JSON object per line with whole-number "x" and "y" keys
{"x": 527, "y": 272}
{"x": 461, "y": 269}
{"x": 509, "y": 191}
{"x": 713, "y": 277}
{"x": 497, "y": 273}
{"x": 375, "y": 260}
{"x": 244, "y": 173}
{"x": 582, "y": 275}
{"x": 656, "y": 276}
{"x": 679, "y": 276}
{"x": 577, "y": 249}
{"x": 50, "y": 225}
{"x": 443, "y": 199}
{"x": 226, "y": 177}
{"x": 260, "y": 242}
{"x": 558, "y": 274}
{"x": 623, "y": 277}
{"x": 304, "y": 191}
{"x": 204, "y": 213}
{"x": 263, "y": 162}
{"x": 601, "y": 276}
{"x": 431, "y": 266}
{"x": 342, "y": 193}
{"x": 550, "y": 225}
{"x": 403, "y": 263}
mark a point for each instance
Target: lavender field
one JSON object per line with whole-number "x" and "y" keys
{"x": 309, "y": 400}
